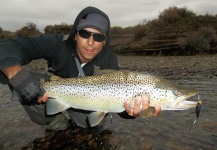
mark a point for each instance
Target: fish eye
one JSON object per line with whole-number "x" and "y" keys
{"x": 178, "y": 93}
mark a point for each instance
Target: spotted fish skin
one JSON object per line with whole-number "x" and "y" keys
{"x": 107, "y": 92}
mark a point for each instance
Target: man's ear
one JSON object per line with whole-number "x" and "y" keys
{"x": 75, "y": 37}
{"x": 105, "y": 41}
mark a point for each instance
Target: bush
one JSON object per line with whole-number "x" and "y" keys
{"x": 199, "y": 41}
{"x": 29, "y": 30}
{"x": 140, "y": 31}
{"x": 174, "y": 14}
{"x": 2, "y": 33}
{"x": 116, "y": 30}
{"x": 1, "y": 30}
{"x": 208, "y": 33}
{"x": 59, "y": 29}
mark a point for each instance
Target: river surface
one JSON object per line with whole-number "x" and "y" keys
{"x": 170, "y": 130}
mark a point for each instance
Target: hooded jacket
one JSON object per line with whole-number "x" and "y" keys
{"x": 59, "y": 53}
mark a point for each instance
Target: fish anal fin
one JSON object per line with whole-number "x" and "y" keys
{"x": 53, "y": 106}
{"x": 149, "y": 112}
{"x": 95, "y": 118}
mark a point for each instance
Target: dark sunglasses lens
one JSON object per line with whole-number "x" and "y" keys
{"x": 96, "y": 36}
{"x": 84, "y": 34}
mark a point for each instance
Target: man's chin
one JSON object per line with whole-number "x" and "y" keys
{"x": 88, "y": 58}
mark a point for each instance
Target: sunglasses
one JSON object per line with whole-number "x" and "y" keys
{"x": 96, "y": 36}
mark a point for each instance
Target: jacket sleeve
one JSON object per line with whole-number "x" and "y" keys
{"x": 22, "y": 50}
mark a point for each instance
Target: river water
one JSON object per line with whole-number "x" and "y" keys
{"x": 170, "y": 130}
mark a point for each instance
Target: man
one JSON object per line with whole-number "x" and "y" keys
{"x": 88, "y": 45}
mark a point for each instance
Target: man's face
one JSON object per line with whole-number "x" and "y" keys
{"x": 88, "y": 48}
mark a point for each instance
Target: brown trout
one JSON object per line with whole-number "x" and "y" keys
{"x": 108, "y": 91}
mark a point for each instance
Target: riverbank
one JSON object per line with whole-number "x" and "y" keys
{"x": 172, "y": 66}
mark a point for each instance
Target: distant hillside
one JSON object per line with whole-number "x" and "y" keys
{"x": 177, "y": 31}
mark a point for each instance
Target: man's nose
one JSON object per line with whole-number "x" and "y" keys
{"x": 90, "y": 40}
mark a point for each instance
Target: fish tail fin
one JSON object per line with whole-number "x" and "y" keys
{"x": 54, "y": 106}
{"x": 95, "y": 118}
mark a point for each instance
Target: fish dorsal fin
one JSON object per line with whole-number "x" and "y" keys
{"x": 95, "y": 118}
{"x": 54, "y": 78}
{"x": 97, "y": 70}
{"x": 54, "y": 106}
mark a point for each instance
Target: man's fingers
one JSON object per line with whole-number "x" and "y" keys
{"x": 137, "y": 105}
{"x": 127, "y": 107}
{"x": 145, "y": 105}
{"x": 39, "y": 101}
{"x": 43, "y": 98}
{"x": 145, "y": 102}
{"x": 140, "y": 100}
{"x": 157, "y": 111}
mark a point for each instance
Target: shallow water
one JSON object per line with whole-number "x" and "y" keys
{"x": 170, "y": 130}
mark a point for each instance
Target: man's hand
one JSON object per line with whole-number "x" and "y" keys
{"x": 27, "y": 84}
{"x": 43, "y": 99}
{"x": 144, "y": 100}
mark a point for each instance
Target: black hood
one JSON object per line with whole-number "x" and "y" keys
{"x": 82, "y": 15}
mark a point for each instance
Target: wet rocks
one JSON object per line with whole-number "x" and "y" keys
{"x": 172, "y": 66}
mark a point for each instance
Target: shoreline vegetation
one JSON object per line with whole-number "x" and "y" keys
{"x": 176, "y": 32}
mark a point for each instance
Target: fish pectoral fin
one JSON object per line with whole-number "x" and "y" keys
{"x": 149, "y": 112}
{"x": 95, "y": 118}
{"x": 53, "y": 106}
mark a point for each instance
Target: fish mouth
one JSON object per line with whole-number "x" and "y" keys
{"x": 188, "y": 104}
{"x": 183, "y": 103}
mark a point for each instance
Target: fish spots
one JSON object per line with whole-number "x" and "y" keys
{"x": 108, "y": 92}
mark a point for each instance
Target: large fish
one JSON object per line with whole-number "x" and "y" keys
{"x": 107, "y": 92}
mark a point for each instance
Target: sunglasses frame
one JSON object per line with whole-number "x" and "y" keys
{"x": 98, "y": 37}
